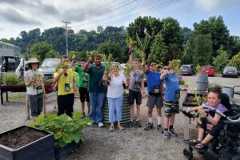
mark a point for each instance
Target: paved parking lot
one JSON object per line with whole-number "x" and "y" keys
{"x": 131, "y": 144}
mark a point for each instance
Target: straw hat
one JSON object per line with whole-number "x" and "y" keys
{"x": 32, "y": 60}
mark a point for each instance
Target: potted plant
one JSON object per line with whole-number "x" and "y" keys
{"x": 67, "y": 131}
{"x": 25, "y": 143}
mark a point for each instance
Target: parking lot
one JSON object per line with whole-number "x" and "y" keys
{"x": 131, "y": 144}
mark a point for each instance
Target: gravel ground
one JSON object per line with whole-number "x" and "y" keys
{"x": 130, "y": 144}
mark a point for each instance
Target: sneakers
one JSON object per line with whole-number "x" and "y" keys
{"x": 111, "y": 128}
{"x": 137, "y": 124}
{"x": 172, "y": 132}
{"x": 148, "y": 126}
{"x": 159, "y": 126}
{"x": 166, "y": 134}
{"x": 100, "y": 124}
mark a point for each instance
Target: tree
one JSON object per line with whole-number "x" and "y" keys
{"x": 114, "y": 49}
{"x": 171, "y": 32}
{"x": 42, "y": 50}
{"x": 158, "y": 51}
{"x": 200, "y": 49}
{"x": 217, "y": 29}
{"x": 221, "y": 60}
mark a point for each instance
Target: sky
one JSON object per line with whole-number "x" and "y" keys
{"x": 19, "y": 15}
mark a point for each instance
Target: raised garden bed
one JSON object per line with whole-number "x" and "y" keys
{"x": 61, "y": 153}
{"x": 20, "y": 88}
{"x": 26, "y": 143}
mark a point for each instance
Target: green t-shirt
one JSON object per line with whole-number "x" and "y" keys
{"x": 95, "y": 79}
{"x": 83, "y": 77}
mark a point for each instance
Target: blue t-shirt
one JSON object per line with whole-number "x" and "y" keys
{"x": 153, "y": 81}
{"x": 171, "y": 87}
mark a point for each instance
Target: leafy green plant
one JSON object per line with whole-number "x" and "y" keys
{"x": 175, "y": 65}
{"x": 64, "y": 128}
{"x": 127, "y": 70}
{"x": 11, "y": 79}
{"x": 107, "y": 59}
{"x": 235, "y": 61}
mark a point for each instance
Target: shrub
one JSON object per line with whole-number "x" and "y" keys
{"x": 64, "y": 128}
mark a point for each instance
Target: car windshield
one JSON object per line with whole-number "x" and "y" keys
{"x": 185, "y": 67}
{"x": 230, "y": 69}
{"x": 51, "y": 63}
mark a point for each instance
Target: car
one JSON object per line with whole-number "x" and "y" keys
{"x": 230, "y": 71}
{"x": 187, "y": 69}
{"x": 49, "y": 66}
{"x": 209, "y": 70}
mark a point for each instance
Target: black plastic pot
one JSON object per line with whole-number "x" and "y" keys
{"x": 61, "y": 153}
{"x": 40, "y": 149}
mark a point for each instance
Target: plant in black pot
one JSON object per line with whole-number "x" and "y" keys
{"x": 67, "y": 131}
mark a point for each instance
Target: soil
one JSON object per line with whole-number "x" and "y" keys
{"x": 20, "y": 137}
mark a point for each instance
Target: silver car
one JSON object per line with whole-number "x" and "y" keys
{"x": 230, "y": 71}
{"x": 48, "y": 67}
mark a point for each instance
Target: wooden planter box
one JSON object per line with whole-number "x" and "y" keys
{"x": 26, "y": 143}
{"x": 64, "y": 152}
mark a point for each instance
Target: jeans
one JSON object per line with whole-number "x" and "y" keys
{"x": 115, "y": 109}
{"x": 96, "y": 101}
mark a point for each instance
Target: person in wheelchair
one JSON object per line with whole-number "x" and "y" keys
{"x": 211, "y": 115}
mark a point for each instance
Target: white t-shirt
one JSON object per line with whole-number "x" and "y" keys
{"x": 115, "y": 88}
{"x": 36, "y": 88}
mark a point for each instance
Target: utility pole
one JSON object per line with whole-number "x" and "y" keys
{"x": 66, "y": 34}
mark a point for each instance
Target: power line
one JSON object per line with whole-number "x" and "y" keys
{"x": 134, "y": 9}
{"x": 66, "y": 34}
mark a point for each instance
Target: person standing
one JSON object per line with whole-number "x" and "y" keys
{"x": 171, "y": 96}
{"x": 97, "y": 91}
{"x": 136, "y": 92}
{"x": 65, "y": 79}
{"x": 115, "y": 96}
{"x": 82, "y": 84}
{"x": 155, "y": 90}
{"x": 35, "y": 88}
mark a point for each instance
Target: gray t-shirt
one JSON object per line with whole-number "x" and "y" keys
{"x": 136, "y": 77}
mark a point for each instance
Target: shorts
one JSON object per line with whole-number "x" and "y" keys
{"x": 84, "y": 94}
{"x": 36, "y": 104}
{"x": 154, "y": 100}
{"x": 171, "y": 108}
{"x": 134, "y": 95}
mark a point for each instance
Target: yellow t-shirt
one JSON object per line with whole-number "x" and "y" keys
{"x": 65, "y": 83}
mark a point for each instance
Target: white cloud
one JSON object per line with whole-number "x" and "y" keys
{"x": 209, "y": 5}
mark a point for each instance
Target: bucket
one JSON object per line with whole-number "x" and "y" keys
{"x": 202, "y": 82}
{"x": 125, "y": 111}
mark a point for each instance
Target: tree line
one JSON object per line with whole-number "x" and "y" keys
{"x": 149, "y": 38}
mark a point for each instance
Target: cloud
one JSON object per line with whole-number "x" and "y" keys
{"x": 32, "y": 6}
{"x": 210, "y": 5}
{"x": 16, "y": 17}
{"x": 82, "y": 13}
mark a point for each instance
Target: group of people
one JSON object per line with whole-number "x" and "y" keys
{"x": 96, "y": 86}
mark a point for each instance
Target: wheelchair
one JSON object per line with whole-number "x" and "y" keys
{"x": 224, "y": 147}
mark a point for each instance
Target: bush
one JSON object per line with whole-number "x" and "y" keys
{"x": 64, "y": 128}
